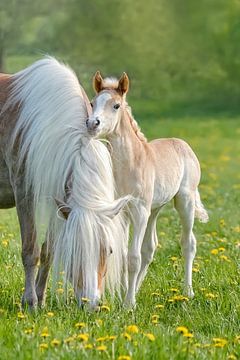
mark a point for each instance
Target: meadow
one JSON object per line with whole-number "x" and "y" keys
{"x": 165, "y": 324}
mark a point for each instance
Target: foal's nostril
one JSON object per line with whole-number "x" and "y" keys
{"x": 97, "y": 122}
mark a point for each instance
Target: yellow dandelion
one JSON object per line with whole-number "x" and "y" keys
{"x": 224, "y": 257}
{"x": 182, "y": 329}
{"x": 28, "y": 331}
{"x": 80, "y": 325}
{"x": 188, "y": 335}
{"x": 180, "y": 298}
{"x": 174, "y": 290}
{"x": 60, "y": 291}
{"x": 237, "y": 338}
{"x": 102, "y": 339}
{"x": 88, "y": 346}
{"x": 43, "y": 346}
{"x": 155, "y": 294}
{"x": 159, "y": 306}
{"x": 21, "y": 316}
{"x": 195, "y": 269}
{"x": 173, "y": 258}
{"x": 101, "y": 348}
{"x": 105, "y": 308}
{"x": 55, "y": 342}
{"x": 85, "y": 300}
{"x": 127, "y": 336}
{"x": 150, "y": 336}
{"x": 83, "y": 337}
{"x": 221, "y": 249}
{"x": 99, "y": 322}
{"x": 214, "y": 251}
{"x": 124, "y": 357}
{"x": 219, "y": 342}
{"x": 50, "y": 314}
{"x": 5, "y": 243}
{"x": 231, "y": 357}
{"x": 69, "y": 340}
{"x": 112, "y": 337}
{"x": 44, "y": 333}
{"x": 210, "y": 296}
{"x": 132, "y": 329}
{"x": 222, "y": 222}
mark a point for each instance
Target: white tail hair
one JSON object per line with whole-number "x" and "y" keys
{"x": 200, "y": 211}
{"x": 62, "y": 162}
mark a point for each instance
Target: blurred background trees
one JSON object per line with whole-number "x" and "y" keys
{"x": 182, "y": 56}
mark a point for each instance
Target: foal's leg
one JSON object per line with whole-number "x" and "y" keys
{"x": 43, "y": 272}
{"x": 140, "y": 219}
{"x": 149, "y": 245}
{"x": 124, "y": 278}
{"x": 185, "y": 205}
{"x": 30, "y": 249}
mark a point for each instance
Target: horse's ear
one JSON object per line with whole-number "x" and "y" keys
{"x": 63, "y": 208}
{"x": 123, "y": 84}
{"x": 98, "y": 82}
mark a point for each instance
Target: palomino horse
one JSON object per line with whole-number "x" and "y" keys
{"x": 50, "y": 165}
{"x": 153, "y": 172}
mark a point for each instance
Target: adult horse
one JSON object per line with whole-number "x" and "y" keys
{"x": 50, "y": 166}
{"x": 154, "y": 172}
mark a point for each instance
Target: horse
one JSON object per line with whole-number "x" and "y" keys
{"x": 153, "y": 172}
{"x": 61, "y": 182}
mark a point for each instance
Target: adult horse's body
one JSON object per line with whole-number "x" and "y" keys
{"x": 49, "y": 163}
{"x": 154, "y": 173}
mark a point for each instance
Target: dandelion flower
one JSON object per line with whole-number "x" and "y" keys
{"x": 182, "y": 329}
{"x": 43, "y": 346}
{"x": 127, "y": 336}
{"x": 88, "y": 346}
{"x": 188, "y": 335}
{"x": 101, "y": 348}
{"x": 214, "y": 251}
{"x": 150, "y": 336}
{"x": 124, "y": 357}
{"x": 83, "y": 337}
{"x": 20, "y": 315}
{"x": 55, "y": 342}
{"x": 45, "y": 333}
{"x": 80, "y": 325}
{"x": 105, "y": 308}
{"x": 132, "y": 329}
{"x": 159, "y": 306}
{"x": 50, "y": 314}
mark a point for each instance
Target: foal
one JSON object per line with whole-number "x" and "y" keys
{"x": 154, "y": 172}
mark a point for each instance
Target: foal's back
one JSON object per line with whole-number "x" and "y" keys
{"x": 176, "y": 167}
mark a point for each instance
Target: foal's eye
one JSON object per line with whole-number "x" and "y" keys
{"x": 116, "y": 106}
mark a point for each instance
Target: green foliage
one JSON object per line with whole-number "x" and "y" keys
{"x": 179, "y": 54}
{"x": 212, "y": 317}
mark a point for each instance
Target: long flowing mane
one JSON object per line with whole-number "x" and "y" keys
{"x": 61, "y": 162}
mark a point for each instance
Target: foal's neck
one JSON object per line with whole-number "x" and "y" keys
{"x": 127, "y": 136}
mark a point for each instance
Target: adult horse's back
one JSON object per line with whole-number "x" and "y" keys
{"x": 48, "y": 163}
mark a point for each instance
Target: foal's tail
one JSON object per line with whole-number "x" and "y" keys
{"x": 200, "y": 211}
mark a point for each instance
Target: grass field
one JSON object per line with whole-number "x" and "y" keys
{"x": 209, "y": 324}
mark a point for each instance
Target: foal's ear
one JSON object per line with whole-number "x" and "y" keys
{"x": 65, "y": 210}
{"x": 123, "y": 84}
{"x": 98, "y": 82}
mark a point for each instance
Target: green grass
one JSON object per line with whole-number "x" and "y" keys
{"x": 213, "y": 313}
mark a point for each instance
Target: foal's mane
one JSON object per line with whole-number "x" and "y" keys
{"x": 111, "y": 83}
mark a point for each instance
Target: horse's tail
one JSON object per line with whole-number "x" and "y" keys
{"x": 200, "y": 211}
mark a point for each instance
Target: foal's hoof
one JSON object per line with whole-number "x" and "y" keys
{"x": 129, "y": 304}
{"x": 189, "y": 292}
